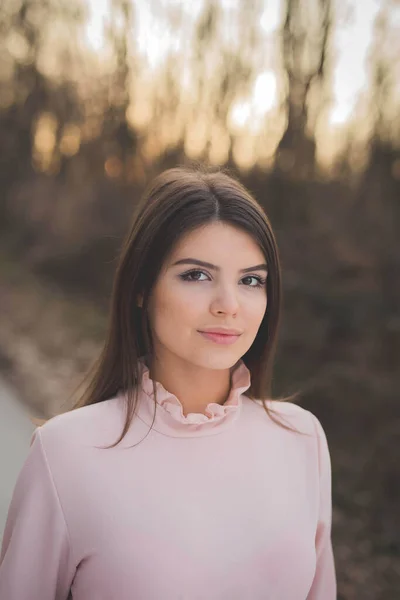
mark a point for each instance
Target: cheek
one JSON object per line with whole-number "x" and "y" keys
{"x": 174, "y": 307}
{"x": 254, "y": 310}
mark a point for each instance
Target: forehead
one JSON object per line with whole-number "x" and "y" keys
{"x": 218, "y": 241}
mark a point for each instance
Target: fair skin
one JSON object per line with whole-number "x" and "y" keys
{"x": 188, "y": 298}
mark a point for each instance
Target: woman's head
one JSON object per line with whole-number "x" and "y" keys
{"x": 200, "y": 255}
{"x": 208, "y": 217}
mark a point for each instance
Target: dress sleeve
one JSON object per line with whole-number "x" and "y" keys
{"x": 324, "y": 585}
{"x": 35, "y": 558}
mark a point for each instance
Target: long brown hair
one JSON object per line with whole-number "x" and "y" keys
{"x": 180, "y": 200}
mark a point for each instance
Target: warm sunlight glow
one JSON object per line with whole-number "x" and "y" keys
{"x": 153, "y": 40}
{"x": 265, "y": 92}
{"x": 249, "y": 114}
{"x": 352, "y": 42}
{"x": 271, "y": 16}
{"x": 98, "y": 11}
{"x": 240, "y": 114}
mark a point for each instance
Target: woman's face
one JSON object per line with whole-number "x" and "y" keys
{"x": 215, "y": 278}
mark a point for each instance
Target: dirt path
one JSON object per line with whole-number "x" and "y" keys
{"x": 15, "y": 433}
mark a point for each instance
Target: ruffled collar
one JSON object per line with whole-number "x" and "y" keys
{"x": 169, "y": 418}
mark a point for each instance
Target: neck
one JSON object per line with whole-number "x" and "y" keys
{"x": 194, "y": 386}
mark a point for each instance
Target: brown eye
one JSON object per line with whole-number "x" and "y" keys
{"x": 193, "y": 275}
{"x": 253, "y": 281}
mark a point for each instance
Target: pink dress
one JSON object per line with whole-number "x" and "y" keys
{"x": 225, "y": 505}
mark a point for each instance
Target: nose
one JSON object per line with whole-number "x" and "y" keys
{"x": 225, "y": 301}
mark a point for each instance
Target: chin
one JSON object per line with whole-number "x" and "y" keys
{"x": 217, "y": 360}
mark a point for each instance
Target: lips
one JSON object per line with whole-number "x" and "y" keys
{"x": 222, "y": 331}
{"x": 220, "y": 338}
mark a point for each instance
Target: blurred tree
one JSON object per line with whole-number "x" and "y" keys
{"x": 215, "y": 67}
{"x": 228, "y": 42}
{"x": 304, "y": 44}
{"x": 119, "y": 138}
{"x": 26, "y": 91}
{"x": 377, "y": 203}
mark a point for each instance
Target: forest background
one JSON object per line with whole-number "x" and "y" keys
{"x": 298, "y": 99}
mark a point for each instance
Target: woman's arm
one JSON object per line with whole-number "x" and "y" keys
{"x": 35, "y": 558}
{"x": 324, "y": 583}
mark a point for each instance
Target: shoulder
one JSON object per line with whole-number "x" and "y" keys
{"x": 312, "y": 438}
{"x": 306, "y": 422}
{"x": 84, "y": 426}
{"x": 288, "y": 413}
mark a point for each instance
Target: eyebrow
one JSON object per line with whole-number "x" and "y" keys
{"x": 201, "y": 263}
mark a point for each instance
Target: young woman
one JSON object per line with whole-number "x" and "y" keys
{"x": 177, "y": 476}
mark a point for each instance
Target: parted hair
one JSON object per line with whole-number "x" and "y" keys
{"x": 178, "y": 201}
